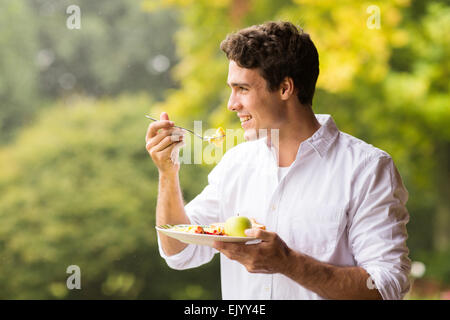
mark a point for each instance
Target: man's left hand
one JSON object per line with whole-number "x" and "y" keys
{"x": 269, "y": 256}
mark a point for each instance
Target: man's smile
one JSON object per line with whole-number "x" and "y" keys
{"x": 245, "y": 119}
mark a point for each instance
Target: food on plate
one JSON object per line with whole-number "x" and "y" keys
{"x": 188, "y": 228}
{"x": 211, "y": 229}
{"x": 235, "y": 226}
{"x": 256, "y": 225}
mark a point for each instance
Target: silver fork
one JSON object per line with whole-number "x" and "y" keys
{"x": 206, "y": 138}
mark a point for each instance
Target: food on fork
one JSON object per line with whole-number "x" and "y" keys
{"x": 218, "y": 137}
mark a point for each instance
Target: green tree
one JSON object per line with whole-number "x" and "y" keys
{"x": 18, "y": 73}
{"x": 80, "y": 189}
{"x": 119, "y": 48}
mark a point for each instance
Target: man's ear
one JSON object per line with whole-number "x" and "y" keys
{"x": 287, "y": 88}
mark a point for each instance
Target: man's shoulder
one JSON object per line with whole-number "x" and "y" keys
{"x": 360, "y": 149}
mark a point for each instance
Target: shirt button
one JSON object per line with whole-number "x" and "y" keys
{"x": 273, "y": 208}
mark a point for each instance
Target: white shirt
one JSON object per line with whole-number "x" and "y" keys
{"x": 282, "y": 171}
{"x": 342, "y": 201}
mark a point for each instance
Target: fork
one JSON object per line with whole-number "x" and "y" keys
{"x": 206, "y": 138}
{"x": 165, "y": 226}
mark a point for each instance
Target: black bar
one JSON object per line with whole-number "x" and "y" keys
{"x": 219, "y": 309}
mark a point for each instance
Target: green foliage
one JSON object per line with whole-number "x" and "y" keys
{"x": 77, "y": 187}
{"x": 111, "y": 53}
{"x": 18, "y": 43}
{"x": 80, "y": 189}
{"x": 118, "y": 49}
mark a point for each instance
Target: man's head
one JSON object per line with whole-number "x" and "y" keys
{"x": 278, "y": 50}
{"x": 272, "y": 65}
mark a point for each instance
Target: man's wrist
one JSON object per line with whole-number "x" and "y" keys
{"x": 304, "y": 269}
{"x": 292, "y": 264}
{"x": 168, "y": 175}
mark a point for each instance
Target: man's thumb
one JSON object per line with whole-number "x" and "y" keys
{"x": 260, "y": 234}
{"x": 164, "y": 116}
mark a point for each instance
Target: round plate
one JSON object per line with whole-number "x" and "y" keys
{"x": 198, "y": 238}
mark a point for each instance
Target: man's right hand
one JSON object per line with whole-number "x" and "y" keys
{"x": 161, "y": 140}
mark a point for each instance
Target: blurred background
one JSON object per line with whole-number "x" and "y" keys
{"x": 77, "y": 186}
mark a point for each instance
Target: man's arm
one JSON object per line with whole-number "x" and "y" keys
{"x": 272, "y": 255}
{"x": 161, "y": 140}
{"x": 329, "y": 281}
{"x": 170, "y": 210}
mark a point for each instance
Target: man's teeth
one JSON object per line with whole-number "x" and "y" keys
{"x": 243, "y": 119}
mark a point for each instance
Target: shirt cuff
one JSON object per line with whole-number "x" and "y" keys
{"x": 178, "y": 260}
{"x": 391, "y": 286}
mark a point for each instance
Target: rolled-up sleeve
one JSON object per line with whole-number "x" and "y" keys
{"x": 205, "y": 208}
{"x": 377, "y": 233}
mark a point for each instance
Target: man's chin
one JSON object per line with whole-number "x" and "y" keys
{"x": 251, "y": 134}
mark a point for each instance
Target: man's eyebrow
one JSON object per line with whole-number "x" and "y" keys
{"x": 239, "y": 84}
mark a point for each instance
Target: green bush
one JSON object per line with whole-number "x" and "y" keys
{"x": 78, "y": 188}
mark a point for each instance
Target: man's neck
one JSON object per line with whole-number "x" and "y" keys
{"x": 299, "y": 125}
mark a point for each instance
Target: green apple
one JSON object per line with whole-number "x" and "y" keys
{"x": 235, "y": 226}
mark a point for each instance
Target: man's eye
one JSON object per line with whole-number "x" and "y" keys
{"x": 243, "y": 89}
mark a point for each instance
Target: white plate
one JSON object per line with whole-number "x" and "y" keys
{"x": 201, "y": 239}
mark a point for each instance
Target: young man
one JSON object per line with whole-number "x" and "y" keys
{"x": 333, "y": 205}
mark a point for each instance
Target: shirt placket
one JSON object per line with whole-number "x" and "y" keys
{"x": 274, "y": 206}
{"x": 271, "y": 171}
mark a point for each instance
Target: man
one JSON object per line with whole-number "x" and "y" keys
{"x": 333, "y": 205}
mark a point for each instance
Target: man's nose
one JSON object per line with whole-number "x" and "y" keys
{"x": 233, "y": 103}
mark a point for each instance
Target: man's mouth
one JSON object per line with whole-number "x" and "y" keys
{"x": 245, "y": 119}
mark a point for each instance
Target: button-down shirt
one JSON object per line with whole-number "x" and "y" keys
{"x": 342, "y": 201}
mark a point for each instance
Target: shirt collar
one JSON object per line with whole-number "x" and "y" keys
{"x": 321, "y": 140}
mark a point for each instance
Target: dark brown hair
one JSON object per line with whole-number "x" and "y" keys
{"x": 278, "y": 50}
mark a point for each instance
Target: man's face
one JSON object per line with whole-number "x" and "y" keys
{"x": 256, "y": 106}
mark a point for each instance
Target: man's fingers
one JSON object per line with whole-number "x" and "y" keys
{"x": 218, "y": 245}
{"x": 164, "y": 116}
{"x": 155, "y": 126}
{"x": 231, "y": 250}
{"x": 166, "y": 143}
{"x": 260, "y": 234}
{"x": 175, "y": 132}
